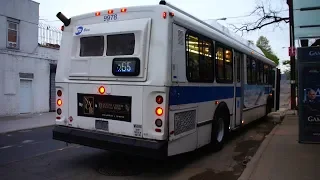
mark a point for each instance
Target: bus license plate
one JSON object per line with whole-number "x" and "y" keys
{"x": 102, "y": 125}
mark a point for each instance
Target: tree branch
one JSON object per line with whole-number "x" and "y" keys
{"x": 266, "y": 17}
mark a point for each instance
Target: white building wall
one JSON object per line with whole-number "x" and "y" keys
{"x": 27, "y": 12}
{"x": 11, "y": 64}
{"x": 29, "y": 58}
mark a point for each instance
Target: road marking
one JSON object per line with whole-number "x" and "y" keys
{"x": 5, "y": 147}
{"x": 27, "y": 130}
{"x": 27, "y": 141}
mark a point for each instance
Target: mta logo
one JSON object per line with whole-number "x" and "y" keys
{"x": 79, "y": 29}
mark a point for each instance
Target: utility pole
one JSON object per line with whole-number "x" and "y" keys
{"x": 292, "y": 57}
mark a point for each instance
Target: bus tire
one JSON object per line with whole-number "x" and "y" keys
{"x": 220, "y": 129}
{"x": 268, "y": 106}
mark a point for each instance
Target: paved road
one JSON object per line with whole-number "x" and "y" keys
{"x": 34, "y": 155}
{"x": 27, "y": 143}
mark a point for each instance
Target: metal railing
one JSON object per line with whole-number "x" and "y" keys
{"x": 49, "y": 36}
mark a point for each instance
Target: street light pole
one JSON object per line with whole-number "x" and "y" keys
{"x": 292, "y": 56}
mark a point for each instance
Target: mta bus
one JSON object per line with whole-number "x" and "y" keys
{"x": 156, "y": 81}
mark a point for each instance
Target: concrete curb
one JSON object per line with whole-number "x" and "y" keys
{"x": 252, "y": 164}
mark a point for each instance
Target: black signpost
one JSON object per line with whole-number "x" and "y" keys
{"x": 309, "y": 94}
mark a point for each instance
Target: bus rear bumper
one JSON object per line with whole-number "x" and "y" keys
{"x": 136, "y": 146}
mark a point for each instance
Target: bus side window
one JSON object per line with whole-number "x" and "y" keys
{"x": 199, "y": 58}
{"x": 249, "y": 76}
{"x": 224, "y": 65}
{"x": 253, "y": 71}
{"x": 238, "y": 62}
{"x": 265, "y": 71}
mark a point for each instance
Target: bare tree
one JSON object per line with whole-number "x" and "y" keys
{"x": 266, "y": 16}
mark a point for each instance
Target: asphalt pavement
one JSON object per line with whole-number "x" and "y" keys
{"x": 19, "y": 145}
{"x": 32, "y": 154}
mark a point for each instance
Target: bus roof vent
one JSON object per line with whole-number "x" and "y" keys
{"x": 162, "y": 2}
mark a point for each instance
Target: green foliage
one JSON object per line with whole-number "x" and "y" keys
{"x": 263, "y": 44}
{"x": 286, "y": 62}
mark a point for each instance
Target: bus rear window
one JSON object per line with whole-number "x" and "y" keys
{"x": 91, "y": 46}
{"x": 120, "y": 44}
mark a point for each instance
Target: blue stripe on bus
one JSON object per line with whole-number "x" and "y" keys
{"x": 196, "y": 94}
{"x": 267, "y": 90}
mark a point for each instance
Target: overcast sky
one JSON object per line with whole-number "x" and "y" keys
{"x": 235, "y": 11}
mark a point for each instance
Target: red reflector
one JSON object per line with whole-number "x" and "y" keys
{"x": 158, "y": 130}
{"x": 58, "y": 117}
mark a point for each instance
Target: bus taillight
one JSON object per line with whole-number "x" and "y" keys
{"x": 59, "y": 102}
{"x": 59, "y": 111}
{"x": 159, "y": 111}
{"x": 158, "y": 122}
{"x": 102, "y": 90}
{"x": 59, "y": 93}
{"x": 159, "y": 99}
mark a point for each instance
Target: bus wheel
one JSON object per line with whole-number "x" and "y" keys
{"x": 220, "y": 130}
{"x": 269, "y": 109}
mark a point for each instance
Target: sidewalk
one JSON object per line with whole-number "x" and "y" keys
{"x": 28, "y": 121}
{"x": 281, "y": 157}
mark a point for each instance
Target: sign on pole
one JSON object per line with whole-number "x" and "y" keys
{"x": 292, "y": 51}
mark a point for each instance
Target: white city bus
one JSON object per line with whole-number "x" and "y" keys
{"x": 156, "y": 81}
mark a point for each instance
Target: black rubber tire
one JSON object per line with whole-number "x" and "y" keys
{"x": 215, "y": 144}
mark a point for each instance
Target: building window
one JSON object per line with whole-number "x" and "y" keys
{"x": 199, "y": 58}
{"x": 224, "y": 64}
{"x": 12, "y": 33}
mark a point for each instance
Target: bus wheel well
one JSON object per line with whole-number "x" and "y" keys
{"x": 223, "y": 109}
{"x": 220, "y": 126}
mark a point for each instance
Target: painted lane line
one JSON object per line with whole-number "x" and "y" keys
{"x": 5, "y": 147}
{"x": 27, "y": 141}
